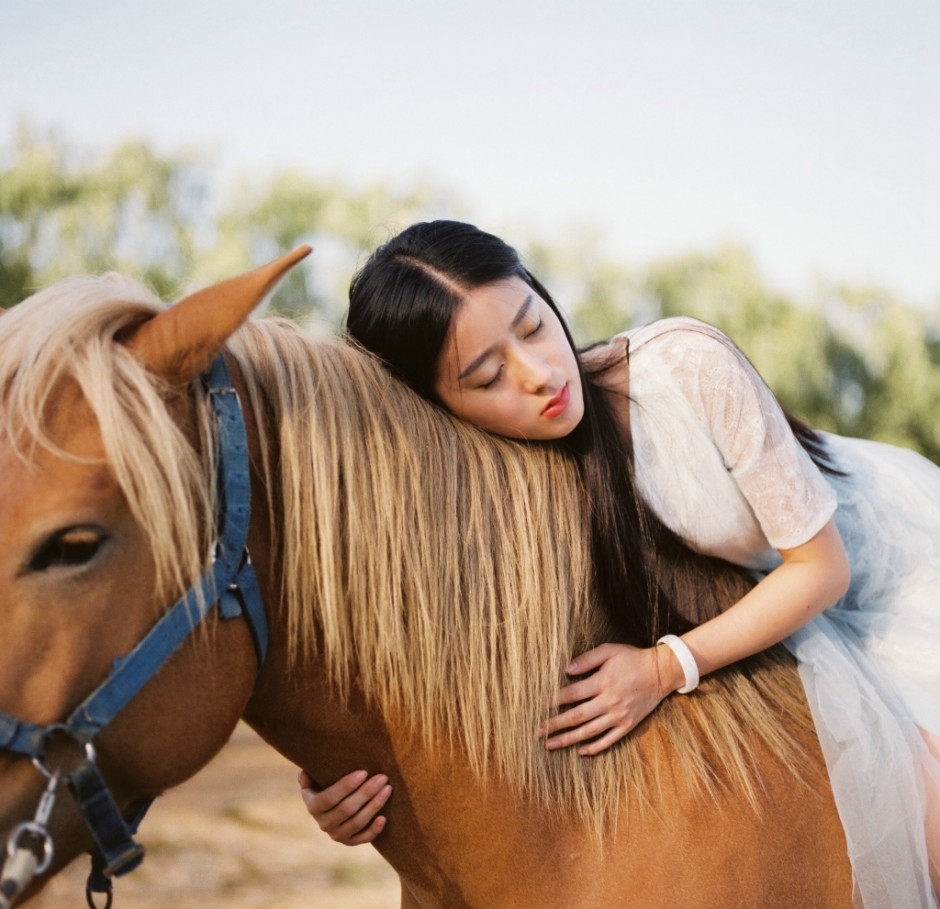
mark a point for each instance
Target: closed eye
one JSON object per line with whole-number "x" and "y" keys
{"x": 69, "y": 548}
{"x": 534, "y": 331}
{"x": 494, "y": 380}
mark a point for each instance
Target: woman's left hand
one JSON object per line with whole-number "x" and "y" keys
{"x": 625, "y": 688}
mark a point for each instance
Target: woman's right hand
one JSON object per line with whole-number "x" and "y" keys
{"x": 349, "y": 809}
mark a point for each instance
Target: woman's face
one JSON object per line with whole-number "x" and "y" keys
{"x": 507, "y": 366}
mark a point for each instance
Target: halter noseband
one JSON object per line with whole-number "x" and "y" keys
{"x": 229, "y": 581}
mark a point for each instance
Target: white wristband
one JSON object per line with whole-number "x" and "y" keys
{"x": 686, "y": 661}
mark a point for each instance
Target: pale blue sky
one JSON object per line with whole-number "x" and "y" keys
{"x": 809, "y": 130}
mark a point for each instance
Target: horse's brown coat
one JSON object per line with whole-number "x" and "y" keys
{"x": 455, "y": 839}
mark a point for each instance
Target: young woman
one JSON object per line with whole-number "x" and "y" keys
{"x": 680, "y": 440}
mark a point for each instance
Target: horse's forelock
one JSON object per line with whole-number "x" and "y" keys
{"x": 64, "y": 337}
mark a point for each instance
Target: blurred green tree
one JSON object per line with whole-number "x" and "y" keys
{"x": 268, "y": 216}
{"x": 859, "y": 362}
{"x": 855, "y": 360}
{"x": 65, "y": 211}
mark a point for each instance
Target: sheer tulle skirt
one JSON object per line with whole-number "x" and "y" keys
{"x": 871, "y": 668}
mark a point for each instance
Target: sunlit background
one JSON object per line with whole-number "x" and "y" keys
{"x": 772, "y": 166}
{"x": 769, "y": 165}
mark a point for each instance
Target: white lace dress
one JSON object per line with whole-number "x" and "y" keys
{"x": 716, "y": 460}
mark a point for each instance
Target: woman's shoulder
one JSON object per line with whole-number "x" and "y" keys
{"x": 677, "y": 332}
{"x": 681, "y": 347}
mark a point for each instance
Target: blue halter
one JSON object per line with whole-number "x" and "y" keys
{"x": 229, "y": 581}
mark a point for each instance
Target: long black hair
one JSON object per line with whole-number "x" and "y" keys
{"x": 401, "y": 304}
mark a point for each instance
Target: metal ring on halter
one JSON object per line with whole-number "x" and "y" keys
{"x": 38, "y": 831}
{"x": 39, "y": 760}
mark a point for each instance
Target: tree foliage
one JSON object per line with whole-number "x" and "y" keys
{"x": 159, "y": 217}
{"x": 854, "y": 360}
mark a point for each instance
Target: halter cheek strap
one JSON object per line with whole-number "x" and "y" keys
{"x": 230, "y": 581}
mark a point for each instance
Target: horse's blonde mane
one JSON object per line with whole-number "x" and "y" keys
{"x": 445, "y": 571}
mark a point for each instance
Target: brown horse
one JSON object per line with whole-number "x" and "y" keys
{"x": 423, "y": 582}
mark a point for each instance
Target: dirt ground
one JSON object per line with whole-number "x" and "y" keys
{"x": 237, "y": 835}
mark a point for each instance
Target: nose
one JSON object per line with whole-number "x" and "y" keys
{"x": 534, "y": 374}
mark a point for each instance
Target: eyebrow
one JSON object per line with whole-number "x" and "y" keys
{"x": 517, "y": 318}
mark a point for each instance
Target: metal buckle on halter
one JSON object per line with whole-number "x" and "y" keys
{"x": 32, "y": 835}
{"x": 107, "y": 825}
{"x": 60, "y": 729}
{"x": 29, "y": 847}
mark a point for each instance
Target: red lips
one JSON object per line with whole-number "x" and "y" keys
{"x": 558, "y": 404}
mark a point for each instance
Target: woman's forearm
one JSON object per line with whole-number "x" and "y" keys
{"x": 812, "y": 577}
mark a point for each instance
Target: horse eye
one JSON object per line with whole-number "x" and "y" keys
{"x": 68, "y": 548}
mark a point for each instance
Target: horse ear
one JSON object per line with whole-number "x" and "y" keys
{"x": 181, "y": 342}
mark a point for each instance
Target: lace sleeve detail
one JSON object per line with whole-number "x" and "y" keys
{"x": 788, "y": 495}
